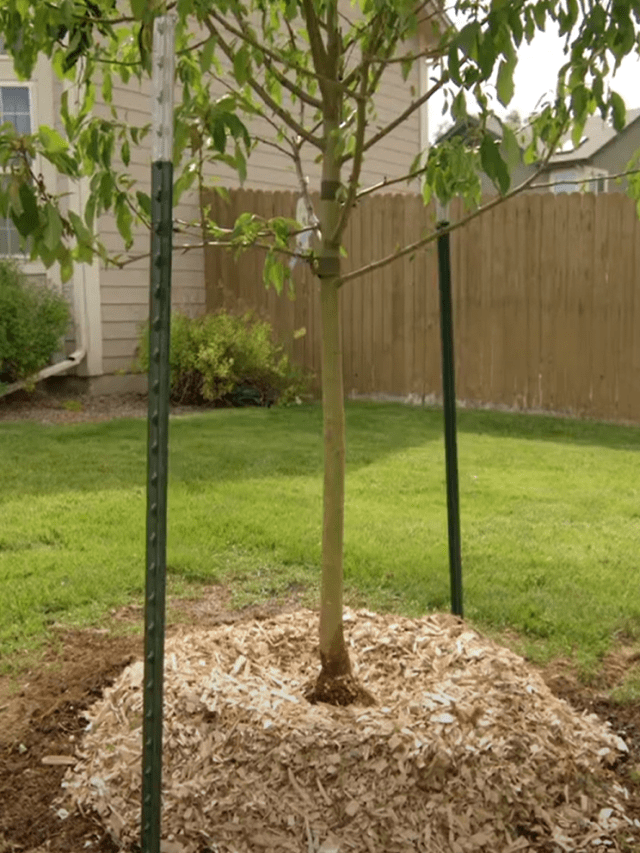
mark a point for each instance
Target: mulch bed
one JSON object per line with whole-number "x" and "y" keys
{"x": 467, "y": 750}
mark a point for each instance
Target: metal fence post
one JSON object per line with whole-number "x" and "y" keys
{"x": 449, "y": 404}
{"x": 157, "y": 427}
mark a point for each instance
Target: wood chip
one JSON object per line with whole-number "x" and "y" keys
{"x": 468, "y": 751}
{"x": 59, "y": 760}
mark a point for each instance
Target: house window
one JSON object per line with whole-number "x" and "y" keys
{"x": 599, "y": 186}
{"x": 565, "y": 181}
{"x": 15, "y": 107}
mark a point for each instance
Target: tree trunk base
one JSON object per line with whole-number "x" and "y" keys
{"x": 339, "y": 690}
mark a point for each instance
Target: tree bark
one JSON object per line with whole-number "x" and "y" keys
{"x": 333, "y": 651}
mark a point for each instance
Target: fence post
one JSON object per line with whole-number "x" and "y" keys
{"x": 449, "y": 404}
{"x": 157, "y": 427}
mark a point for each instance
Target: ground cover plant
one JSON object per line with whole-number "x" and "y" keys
{"x": 227, "y": 360}
{"x": 548, "y": 506}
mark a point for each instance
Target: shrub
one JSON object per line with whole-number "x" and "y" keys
{"x": 32, "y": 321}
{"x": 228, "y": 360}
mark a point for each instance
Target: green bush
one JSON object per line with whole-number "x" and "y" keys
{"x": 227, "y": 360}
{"x": 32, "y": 321}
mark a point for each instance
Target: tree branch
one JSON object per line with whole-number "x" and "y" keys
{"x": 318, "y": 51}
{"x": 187, "y": 247}
{"x": 591, "y": 180}
{"x": 415, "y": 105}
{"x": 361, "y": 126}
{"x": 424, "y": 241}
{"x": 266, "y": 98}
{"x": 269, "y": 58}
{"x": 387, "y": 182}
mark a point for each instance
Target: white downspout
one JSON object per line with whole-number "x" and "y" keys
{"x": 53, "y": 370}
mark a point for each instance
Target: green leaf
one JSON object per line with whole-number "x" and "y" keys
{"x": 144, "y": 201}
{"x": 124, "y": 219}
{"x": 66, "y": 265}
{"x": 454, "y": 64}
{"x": 205, "y": 57}
{"x": 618, "y": 111}
{"x": 459, "y": 106}
{"x": 493, "y": 164}
{"x": 81, "y": 232}
{"x": 468, "y": 38}
{"x": 51, "y": 140}
{"x": 219, "y": 135}
{"x": 511, "y": 148}
{"x": 504, "y": 84}
{"x": 52, "y": 232}
{"x": 579, "y": 102}
{"x": 125, "y": 153}
{"x": 241, "y": 66}
{"x": 139, "y": 8}
{"x": 107, "y": 88}
{"x": 184, "y": 181}
{"x": 273, "y": 273}
{"x": 27, "y": 220}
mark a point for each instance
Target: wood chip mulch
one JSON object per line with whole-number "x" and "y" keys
{"x": 466, "y": 751}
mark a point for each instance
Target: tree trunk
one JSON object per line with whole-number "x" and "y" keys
{"x": 333, "y": 651}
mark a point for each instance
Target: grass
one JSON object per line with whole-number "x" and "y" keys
{"x": 550, "y": 513}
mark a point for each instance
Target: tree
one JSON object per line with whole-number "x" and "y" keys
{"x": 309, "y": 70}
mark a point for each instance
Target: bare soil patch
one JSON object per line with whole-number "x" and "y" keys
{"x": 44, "y": 713}
{"x": 57, "y": 403}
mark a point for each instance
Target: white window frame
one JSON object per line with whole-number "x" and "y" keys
{"x": 30, "y": 87}
{"x": 42, "y": 112}
{"x": 600, "y": 175}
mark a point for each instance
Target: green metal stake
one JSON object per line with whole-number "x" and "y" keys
{"x": 449, "y": 402}
{"x": 158, "y": 429}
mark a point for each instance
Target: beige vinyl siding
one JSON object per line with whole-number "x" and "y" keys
{"x": 124, "y": 293}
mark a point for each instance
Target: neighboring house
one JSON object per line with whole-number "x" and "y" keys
{"x": 584, "y": 168}
{"x": 468, "y": 129}
{"x": 110, "y": 305}
{"x": 602, "y": 151}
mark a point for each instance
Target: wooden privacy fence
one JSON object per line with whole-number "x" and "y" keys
{"x": 546, "y": 301}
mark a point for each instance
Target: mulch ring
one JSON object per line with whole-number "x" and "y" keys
{"x": 467, "y": 749}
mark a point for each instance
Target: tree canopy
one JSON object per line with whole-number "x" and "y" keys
{"x": 285, "y": 61}
{"x": 308, "y": 71}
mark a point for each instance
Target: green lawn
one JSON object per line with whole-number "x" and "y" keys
{"x": 550, "y": 512}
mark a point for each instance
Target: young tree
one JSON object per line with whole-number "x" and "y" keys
{"x": 308, "y": 71}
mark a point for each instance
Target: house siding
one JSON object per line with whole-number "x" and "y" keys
{"x": 615, "y": 156}
{"x": 124, "y": 292}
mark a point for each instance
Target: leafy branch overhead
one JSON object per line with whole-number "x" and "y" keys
{"x": 281, "y": 67}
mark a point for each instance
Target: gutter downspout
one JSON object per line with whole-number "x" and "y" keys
{"x": 53, "y": 370}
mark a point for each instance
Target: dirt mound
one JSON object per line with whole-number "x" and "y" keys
{"x": 467, "y": 750}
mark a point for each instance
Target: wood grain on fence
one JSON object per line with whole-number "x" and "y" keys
{"x": 546, "y": 300}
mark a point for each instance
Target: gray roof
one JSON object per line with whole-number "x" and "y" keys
{"x": 596, "y": 134}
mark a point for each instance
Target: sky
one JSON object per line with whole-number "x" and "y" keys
{"x": 536, "y": 75}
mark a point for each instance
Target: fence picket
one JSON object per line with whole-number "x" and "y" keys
{"x": 545, "y": 306}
